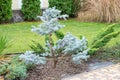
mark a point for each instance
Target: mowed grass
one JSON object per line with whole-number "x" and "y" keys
{"x": 20, "y": 35}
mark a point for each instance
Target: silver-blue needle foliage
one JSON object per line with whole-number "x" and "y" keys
{"x": 70, "y": 44}
{"x": 51, "y": 13}
{"x": 77, "y": 58}
{"x": 31, "y": 58}
{"x": 50, "y": 22}
{"x": 47, "y": 27}
{"x": 74, "y": 46}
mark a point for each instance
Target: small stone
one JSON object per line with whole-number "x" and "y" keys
{"x": 17, "y": 18}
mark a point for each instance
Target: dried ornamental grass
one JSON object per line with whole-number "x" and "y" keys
{"x": 100, "y": 10}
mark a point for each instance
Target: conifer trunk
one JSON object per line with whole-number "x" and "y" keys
{"x": 51, "y": 51}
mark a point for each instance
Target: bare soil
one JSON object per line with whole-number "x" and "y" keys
{"x": 64, "y": 68}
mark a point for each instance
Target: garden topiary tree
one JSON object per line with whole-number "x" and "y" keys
{"x": 70, "y": 7}
{"x": 5, "y": 10}
{"x": 66, "y": 45}
{"x": 31, "y": 9}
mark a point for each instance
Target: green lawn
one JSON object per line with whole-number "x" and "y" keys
{"x": 20, "y": 35}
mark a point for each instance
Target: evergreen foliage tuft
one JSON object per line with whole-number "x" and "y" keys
{"x": 103, "y": 38}
{"x": 32, "y": 59}
{"x": 13, "y": 71}
{"x": 37, "y": 48}
{"x": 59, "y": 35}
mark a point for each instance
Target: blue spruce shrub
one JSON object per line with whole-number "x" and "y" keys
{"x": 67, "y": 44}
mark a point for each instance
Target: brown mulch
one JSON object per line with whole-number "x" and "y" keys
{"x": 47, "y": 72}
{"x": 1, "y": 78}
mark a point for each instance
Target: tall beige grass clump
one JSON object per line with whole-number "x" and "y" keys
{"x": 100, "y": 10}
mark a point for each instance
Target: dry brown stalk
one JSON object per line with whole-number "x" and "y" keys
{"x": 100, "y": 10}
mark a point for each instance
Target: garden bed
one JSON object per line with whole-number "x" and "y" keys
{"x": 64, "y": 68}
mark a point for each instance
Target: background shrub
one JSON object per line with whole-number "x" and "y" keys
{"x": 5, "y": 10}
{"x": 30, "y": 9}
{"x": 70, "y": 7}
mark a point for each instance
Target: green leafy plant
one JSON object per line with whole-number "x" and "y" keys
{"x": 70, "y": 7}
{"x": 102, "y": 42}
{"x": 59, "y": 34}
{"x": 31, "y": 9}
{"x": 103, "y": 38}
{"x": 37, "y": 48}
{"x": 109, "y": 30}
{"x": 5, "y": 10}
{"x": 3, "y": 44}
